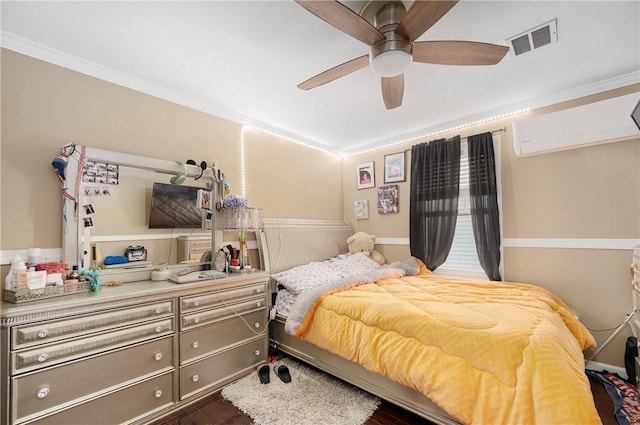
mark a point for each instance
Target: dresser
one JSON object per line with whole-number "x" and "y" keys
{"x": 129, "y": 354}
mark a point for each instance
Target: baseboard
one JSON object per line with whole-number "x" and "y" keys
{"x": 601, "y": 367}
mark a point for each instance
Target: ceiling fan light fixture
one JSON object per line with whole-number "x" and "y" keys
{"x": 391, "y": 63}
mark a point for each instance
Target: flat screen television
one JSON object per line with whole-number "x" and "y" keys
{"x": 175, "y": 207}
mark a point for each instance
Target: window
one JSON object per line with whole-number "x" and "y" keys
{"x": 463, "y": 259}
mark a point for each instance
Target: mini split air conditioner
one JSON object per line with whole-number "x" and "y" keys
{"x": 595, "y": 123}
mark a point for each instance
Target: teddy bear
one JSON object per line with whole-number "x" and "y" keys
{"x": 364, "y": 242}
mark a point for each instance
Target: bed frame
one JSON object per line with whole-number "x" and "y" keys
{"x": 287, "y": 243}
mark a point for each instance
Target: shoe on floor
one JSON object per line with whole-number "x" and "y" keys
{"x": 263, "y": 374}
{"x": 282, "y": 372}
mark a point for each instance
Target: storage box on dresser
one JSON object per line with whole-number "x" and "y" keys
{"x": 129, "y": 359}
{"x": 193, "y": 247}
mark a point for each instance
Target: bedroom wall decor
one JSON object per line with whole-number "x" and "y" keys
{"x": 361, "y": 209}
{"x": 388, "y": 199}
{"x": 394, "y": 167}
{"x": 365, "y": 175}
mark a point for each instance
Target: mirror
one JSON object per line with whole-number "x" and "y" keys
{"x": 121, "y": 217}
{"x": 107, "y": 207}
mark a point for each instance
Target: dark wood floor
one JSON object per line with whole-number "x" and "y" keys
{"x": 215, "y": 410}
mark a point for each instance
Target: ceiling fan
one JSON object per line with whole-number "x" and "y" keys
{"x": 390, "y": 31}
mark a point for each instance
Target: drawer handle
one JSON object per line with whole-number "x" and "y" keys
{"x": 158, "y": 329}
{"x": 42, "y": 392}
{"x": 42, "y": 357}
{"x": 195, "y": 378}
{"x": 158, "y": 310}
{"x": 256, "y": 352}
{"x": 196, "y": 303}
{"x": 158, "y": 356}
{"x": 195, "y": 344}
{"x": 256, "y": 325}
{"x": 196, "y": 320}
{"x": 43, "y": 333}
{"x": 259, "y": 304}
{"x": 157, "y": 393}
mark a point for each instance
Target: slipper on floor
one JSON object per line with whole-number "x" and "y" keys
{"x": 263, "y": 374}
{"x": 282, "y": 372}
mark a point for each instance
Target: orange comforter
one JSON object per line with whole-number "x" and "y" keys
{"x": 486, "y": 352}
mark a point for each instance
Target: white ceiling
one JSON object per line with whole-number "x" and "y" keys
{"x": 242, "y": 61}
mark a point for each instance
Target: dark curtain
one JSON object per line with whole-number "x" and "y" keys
{"x": 435, "y": 179}
{"x": 484, "y": 203}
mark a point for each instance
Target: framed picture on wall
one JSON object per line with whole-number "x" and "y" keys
{"x": 361, "y": 209}
{"x": 388, "y": 199}
{"x": 394, "y": 167}
{"x": 365, "y": 175}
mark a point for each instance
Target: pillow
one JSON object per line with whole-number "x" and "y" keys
{"x": 354, "y": 264}
{"x": 306, "y": 276}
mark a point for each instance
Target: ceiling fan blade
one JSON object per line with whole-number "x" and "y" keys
{"x": 421, "y": 16}
{"x": 392, "y": 91}
{"x": 458, "y": 52}
{"x": 345, "y": 19}
{"x": 335, "y": 73}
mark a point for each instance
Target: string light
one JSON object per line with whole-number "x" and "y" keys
{"x": 401, "y": 142}
{"x": 435, "y": 133}
{"x": 243, "y": 174}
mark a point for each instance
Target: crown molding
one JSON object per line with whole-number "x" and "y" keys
{"x": 56, "y": 57}
{"x": 489, "y": 115}
{"x": 39, "y": 51}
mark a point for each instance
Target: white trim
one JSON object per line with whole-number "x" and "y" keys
{"x": 40, "y": 51}
{"x": 55, "y": 254}
{"x": 562, "y": 243}
{"x": 601, "y": 367}
{"x": 392, "y": 241}
{"x": 300, "y": 223}
{"x": 147, "y": 237}
{"x": 45, "y": 53}
{"x": 46, "y": 254}
{"x": 565, "y": 243}
{"x": 501, "y": 112}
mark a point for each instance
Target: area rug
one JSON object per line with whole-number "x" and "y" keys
{"x": 312, "y": 397}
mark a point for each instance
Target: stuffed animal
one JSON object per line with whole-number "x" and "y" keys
{"x": 364, "y": 242}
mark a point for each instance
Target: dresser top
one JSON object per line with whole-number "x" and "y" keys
{"x": 129, "y": 293}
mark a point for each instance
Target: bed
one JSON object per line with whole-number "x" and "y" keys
{"x": 450, "y": 351}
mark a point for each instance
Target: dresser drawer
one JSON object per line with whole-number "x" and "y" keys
{"x": 39, "y": 357}
{"x": 198, "y": 302}
{"x": 205, "y": 340}
{"x": 203, "y": 317}
{"x": 43, "y": 391}
{"x": 123, "y": 406}
{"x": 29, "y": 335}
{"x": 216, "y": 370}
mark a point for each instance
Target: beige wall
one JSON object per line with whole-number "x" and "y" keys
{"x": 572, "y": 194}
{"x": 592, "y": 192}
{"x": 45, "y": 106}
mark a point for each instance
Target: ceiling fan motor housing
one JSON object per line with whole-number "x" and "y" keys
{"x": 391, "y": 56}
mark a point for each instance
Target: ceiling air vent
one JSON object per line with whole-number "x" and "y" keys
{"x": 534, "y": 38}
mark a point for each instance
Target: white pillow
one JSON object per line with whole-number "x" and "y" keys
{"x": 306, "y": 277}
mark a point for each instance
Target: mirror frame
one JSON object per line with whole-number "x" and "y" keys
{"x": 76, "y": 239}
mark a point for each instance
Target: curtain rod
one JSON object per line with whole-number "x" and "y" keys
{"x": 497, "y": 130}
